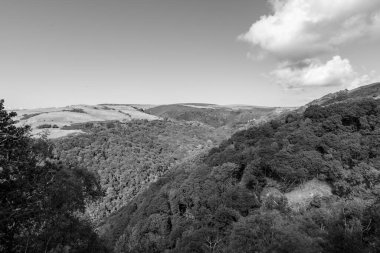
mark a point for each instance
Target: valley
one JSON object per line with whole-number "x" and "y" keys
{"x": 146, "y": 126}
{"x": 209, "y": 178}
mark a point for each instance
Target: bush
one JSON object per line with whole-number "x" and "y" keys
{"x": 77, "y": 110}
{"x": 43, "y": 126}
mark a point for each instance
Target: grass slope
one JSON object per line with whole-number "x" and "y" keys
{"x": 67, "y": 116}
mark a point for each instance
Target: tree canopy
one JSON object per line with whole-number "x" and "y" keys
{"x": 41, "y": 198}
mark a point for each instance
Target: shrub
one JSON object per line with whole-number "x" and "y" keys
{"x": 43, "y": 126}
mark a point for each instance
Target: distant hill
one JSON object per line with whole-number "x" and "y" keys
{"x": 63, "y": 121}
{"x": 59, "y": 121}
{"x": 233, "y": 116}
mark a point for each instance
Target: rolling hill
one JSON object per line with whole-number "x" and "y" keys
{"x": 60, "y": 121}
{"x": 63, "y": 121}
{"x": 233, "y": 116}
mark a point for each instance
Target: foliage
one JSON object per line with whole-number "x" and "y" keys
{"x": 77, "y": 110}
{"x": 43, "y": 126}
{"x": 129, "y": 156}
{"x": 28, "y": 116}
{"x": 41, "y": 198}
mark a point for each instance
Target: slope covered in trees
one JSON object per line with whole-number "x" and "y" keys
{"x": 215, "y": 203}
{"x": 128, "y": 157}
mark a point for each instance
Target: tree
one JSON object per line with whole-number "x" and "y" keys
{"x": 40, "y": 197}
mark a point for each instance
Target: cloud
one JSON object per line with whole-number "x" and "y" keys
{"x": 300, "y": 29}
{"x": 336, "y": 72}
{"x": 300, "y": 32}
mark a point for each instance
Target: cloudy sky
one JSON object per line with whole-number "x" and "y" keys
{"x": 271, "y": 53}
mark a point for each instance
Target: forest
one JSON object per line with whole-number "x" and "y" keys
{"x": 214, "y": 203}
{"x": 127, "y": 157}
{"x": 175, "y": 186}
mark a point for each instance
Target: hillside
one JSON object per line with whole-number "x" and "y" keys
{"x": 367, "y": 91}
{"x": 64, "y": 121}
{"x": 234, "y": 116}
{"x": 58, "y": 120}
{"x": 128, "y": 157}
{"x": 319, "y": 170}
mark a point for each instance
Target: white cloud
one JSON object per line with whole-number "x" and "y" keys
{"x": 301, "y": 29}
{"x": 335, "y": 72}
{"x": 299, "y": 32}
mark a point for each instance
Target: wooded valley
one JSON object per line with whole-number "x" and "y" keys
{"x": 304, "y": 181}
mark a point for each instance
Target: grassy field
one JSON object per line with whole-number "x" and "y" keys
{"x": 66, "y": 116}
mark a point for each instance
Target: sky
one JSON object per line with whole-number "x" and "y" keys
{"x": 258, "y": 52}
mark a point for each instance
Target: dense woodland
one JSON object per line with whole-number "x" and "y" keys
{"x": 127, "y": 157}
{"x": 213, "y": 203}
{"x": 42, "y": 199}
{"x": 163, "y": 186}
